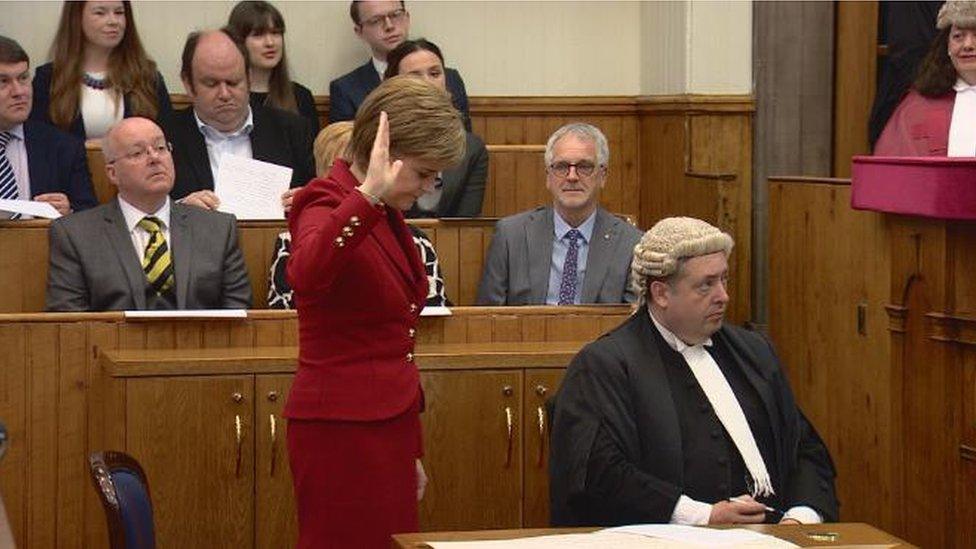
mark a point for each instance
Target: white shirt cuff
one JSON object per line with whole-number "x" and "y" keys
{"x": 803, "y": 514}
{"x": 689, "y": 511}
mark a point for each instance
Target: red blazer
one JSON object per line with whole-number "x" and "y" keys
{"x": 918, "y": 127}
{"x": 359, "y": 287}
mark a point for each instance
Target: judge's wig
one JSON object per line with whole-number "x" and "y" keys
{"x": 662, "y": 251}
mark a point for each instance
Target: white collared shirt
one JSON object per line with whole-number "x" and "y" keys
{"x": 17, "y": 156}
{"x": 691, "y": 511}
{"x": 140, "y": 236}
{"x": 962, "y": 126}
{"x": 219, "y": 143}
{"x": 380, "y": 67}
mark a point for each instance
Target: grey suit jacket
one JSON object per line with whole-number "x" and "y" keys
{"x": 94, "y": 266}
{"x": 517, "y": 268}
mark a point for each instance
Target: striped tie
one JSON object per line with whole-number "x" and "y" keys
{"x": 8, "y": 182}
{"x": 157, "y": 262}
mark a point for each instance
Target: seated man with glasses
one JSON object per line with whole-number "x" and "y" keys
{"x": 37, "y": 162}
{"x": 383, "y": 25}
{"x": 569, "y": 253}
{"x": 142, "y": 250}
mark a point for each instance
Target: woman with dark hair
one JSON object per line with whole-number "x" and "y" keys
{"x": 354, "y": 437}
{"x": 938, "y": 116}
{"x": 459, "y": 190}
{"x": 262, "y": 29}
{"x": 99, "y": 72}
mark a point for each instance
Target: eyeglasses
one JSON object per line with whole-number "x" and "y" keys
{"x": 394, "y": 16}
{"x": 160, "y": 148}
{"x": 583, "y": 169}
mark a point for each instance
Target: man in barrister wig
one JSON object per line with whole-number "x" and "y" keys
{"x": 675, "y": 417}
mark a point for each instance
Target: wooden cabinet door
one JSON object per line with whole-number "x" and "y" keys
{"x": 276, "y": 524}
{"x": 194, "y": 437}
{"x": 540, "y": 385}
{"x": 472, "y": 440}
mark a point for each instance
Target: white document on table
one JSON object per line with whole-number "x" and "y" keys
{"x": 29, "y": 207}
{"x": 435, "y": 311}
{"x": 186, "y": 313}
{"x": 697, "y": 536}
{"x": 251, "y": 189}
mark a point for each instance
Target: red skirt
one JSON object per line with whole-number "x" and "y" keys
{"x": 355, "y": 482}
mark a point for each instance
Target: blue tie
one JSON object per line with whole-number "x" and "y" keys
{"x": 567, "y": 287}
{"x": 8, "y": 183}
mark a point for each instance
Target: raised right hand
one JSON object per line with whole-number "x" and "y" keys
{"x": 381, "y": 173}
{"x": 744, "y": 511}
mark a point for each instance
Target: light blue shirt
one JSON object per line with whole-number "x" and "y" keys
{"x": 560, "y": 246}
{"x": 220, "y": 143}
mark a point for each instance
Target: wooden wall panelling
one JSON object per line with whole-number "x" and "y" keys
{"x": 827, "y": 263}
{"x": 276, "y": 524}
{"x": 23, "y": 265}
{"x": 42, "y": 435}
{"x": 855, "y": 72}
{"x": 106, "y": 399}
{"x": 73, "y": 481}
{"x": 14, "y": 396}
{"x": 104, "y": 189}
{"x": 257, "y": 240}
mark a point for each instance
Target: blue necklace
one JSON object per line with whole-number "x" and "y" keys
{"x": 94, "y": 83}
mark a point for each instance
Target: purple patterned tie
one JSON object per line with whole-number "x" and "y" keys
{"x": 567, "y": 287}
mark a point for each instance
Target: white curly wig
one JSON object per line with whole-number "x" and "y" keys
{"x": 661, "y": 249}
{"x": 961, "y": 13}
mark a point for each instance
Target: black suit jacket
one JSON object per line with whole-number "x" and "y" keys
{"x": 57, "y": 163}
{"x": 616, "y": 454}
{"x": 42, "y": 100}
{"x": 279, "y": 137}
{"x": 347, "y": 92}
{"x": 463, "y": 192}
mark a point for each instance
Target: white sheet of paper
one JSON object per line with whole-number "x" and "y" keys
{"x": 29, "y": 207}
{"x": 696, "y": 536}
{"x": 188, "y": 313}
{"x": 251, "y": 189}
{"x": 596, "y": 540}
{"x": 436, "y": 311}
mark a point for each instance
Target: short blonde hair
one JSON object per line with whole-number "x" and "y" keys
{"x": 331, "y": 143}
{"x": 423, "y": 123}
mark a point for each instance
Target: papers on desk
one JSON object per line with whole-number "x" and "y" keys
{"x": 186, "y": 313}
{"x": 29, "y": 207}
{"x": 648, "y": 536}
{"x": 251, "y": 189}
{"x": 435, "y": 311}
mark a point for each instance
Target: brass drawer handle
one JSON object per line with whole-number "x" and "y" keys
{"x": 511, "y": 431}
{"x": 239, "y": 431}
{"x": 542, "y": 434}
{"x": 274, "y": 441}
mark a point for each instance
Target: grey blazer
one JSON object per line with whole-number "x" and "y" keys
{"x": 517, "y": 268}
{"x": 94, "y": 266}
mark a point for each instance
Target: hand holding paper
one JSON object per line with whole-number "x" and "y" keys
{"x": 251, "y": 189}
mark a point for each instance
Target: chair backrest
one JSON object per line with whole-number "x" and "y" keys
{"x": 121, "y": 485}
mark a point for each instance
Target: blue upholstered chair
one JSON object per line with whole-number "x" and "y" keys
{"x": 121, "y": 485}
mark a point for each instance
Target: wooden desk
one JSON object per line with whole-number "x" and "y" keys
{"x": 850, "y": 535}
{"x": 74, "y": 383}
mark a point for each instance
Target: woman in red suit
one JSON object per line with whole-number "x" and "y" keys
{"x": 354, "y": 436}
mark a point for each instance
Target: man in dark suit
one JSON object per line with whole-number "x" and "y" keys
{"x": 571, "y": 252}
{"x": 675, "y": 417}
{"x": 143, "y": 251}
{"x": 382, "y": 25}
{"x": 221, "y": 121}
{"x": 37, "y": 161}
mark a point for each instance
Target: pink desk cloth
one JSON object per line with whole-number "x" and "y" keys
{"x": 936, "y": 187}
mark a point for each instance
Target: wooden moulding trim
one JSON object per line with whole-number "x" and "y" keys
{"x": 443, "y": 222}
{"x": 26, "y": 224}
{"x": 592, "y": 311}
{"x": 696, "y": 103}
{"x": 585, "y": 105}
{"x": 808, "y": 180}
{"x": 516, "y": 148}
{"x": 949, "y": 328}
{"x": 897, "y": 318}
{"x": 266, "y": 360}
{"x": 968, "y": 453}
{"x": 712, "y": 176}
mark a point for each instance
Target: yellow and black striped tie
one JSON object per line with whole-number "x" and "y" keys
{"x": 157, "y": 262}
